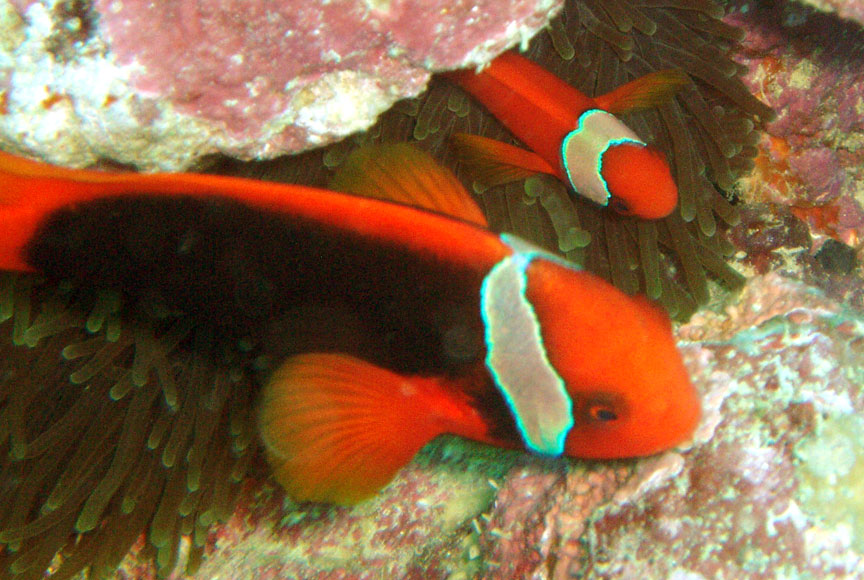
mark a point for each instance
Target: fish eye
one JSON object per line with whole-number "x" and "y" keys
{"x": 602, "y": 413}
{"x": 601, "y": 408}
{"x": 619, "y": 205}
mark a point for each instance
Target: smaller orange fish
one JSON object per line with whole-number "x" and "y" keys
{"x": 572, "y": 136}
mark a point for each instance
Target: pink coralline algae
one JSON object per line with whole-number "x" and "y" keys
{"x": 806, "y": 186}
{"x": 850, "y": 9}
{"x": 807, "y": 66}
{"x": 159, "y": 84}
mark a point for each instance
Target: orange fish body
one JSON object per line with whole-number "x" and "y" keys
{"x": 571, "y": 135}
{"x": 434, "y": 324}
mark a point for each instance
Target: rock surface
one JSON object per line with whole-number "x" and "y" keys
{"x": 807, "y": 188}
{"x": 160, "y": 84}
{"x": 850, "y": 9}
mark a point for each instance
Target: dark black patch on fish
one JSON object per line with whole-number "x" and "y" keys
{"x": 241, "y": 268}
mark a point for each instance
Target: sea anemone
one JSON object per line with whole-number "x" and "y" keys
{"x": 708, "y": 132}
{"x": 112, "y": 425}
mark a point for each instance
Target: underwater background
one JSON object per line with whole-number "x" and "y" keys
{"x": 138, "y": 430}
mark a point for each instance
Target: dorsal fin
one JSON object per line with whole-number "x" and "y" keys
{"x": 402, "y": 173}
{"x": 649, "y": 91}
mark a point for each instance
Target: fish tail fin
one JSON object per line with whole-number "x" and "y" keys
{"x": 336, "y": 429}
{"x": 651, "y": 90}
{"x": 494, "y": 163}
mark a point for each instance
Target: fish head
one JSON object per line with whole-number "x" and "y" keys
{"x": 606, "y": 162}
{"x": 618, "y": 361}
{"x": 639, "y": 180}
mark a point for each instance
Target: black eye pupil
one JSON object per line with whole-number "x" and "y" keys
{"x": 604, "y": 415}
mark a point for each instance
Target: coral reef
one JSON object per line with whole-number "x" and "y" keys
{"x": 805, "y": 207}
{"x": 778, "y": 370}
{"x": 767, "y": 486}
{"x": 770, "y": 485}
{"x": 159, "y": 84}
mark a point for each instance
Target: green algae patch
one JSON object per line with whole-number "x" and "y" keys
{"x": 831, "y": 475}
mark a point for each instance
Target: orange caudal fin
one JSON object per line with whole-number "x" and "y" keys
{"x": 336, "y": 429}
{"x": 494, "y": 163}
{"x": 652, "y": 90}
{"x": 402, "y": 173}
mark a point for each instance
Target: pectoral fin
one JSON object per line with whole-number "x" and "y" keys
{"x": 336, "y": 429}
{"x": 494, "y": 163}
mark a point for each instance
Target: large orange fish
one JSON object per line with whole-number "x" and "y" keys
{"x": 394, "y": 323}
{"x": 572, "y": 136}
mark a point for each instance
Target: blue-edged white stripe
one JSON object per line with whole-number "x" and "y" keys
{"x": 583, "y": 148}
{"x": 516, "y": 357}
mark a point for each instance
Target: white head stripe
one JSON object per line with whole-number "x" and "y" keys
{"x": 517, "y": 359}
{"x": 583, "y": 148}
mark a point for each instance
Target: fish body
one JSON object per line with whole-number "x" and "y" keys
{"x": 418, "y": 320}
{"x": 572, "y": 136}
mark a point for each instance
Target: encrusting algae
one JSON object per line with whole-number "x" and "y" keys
{"x": 830, "y": 471}
{"x": 136, "y": 427}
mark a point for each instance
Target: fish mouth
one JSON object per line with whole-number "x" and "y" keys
{"x": 664, "y": 427}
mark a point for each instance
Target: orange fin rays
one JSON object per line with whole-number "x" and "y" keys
{"x": 336, "y": 429}
{"x": 652, "y": 90}
{"x": 494, "y": 163}
{"x": 407, "y": 175}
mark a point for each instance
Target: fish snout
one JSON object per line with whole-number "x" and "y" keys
{"x": 639, "y": 180}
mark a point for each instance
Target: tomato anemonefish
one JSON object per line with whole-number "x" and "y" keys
{"x": 431, "y": 323}
{"x": 573, "y": 136}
